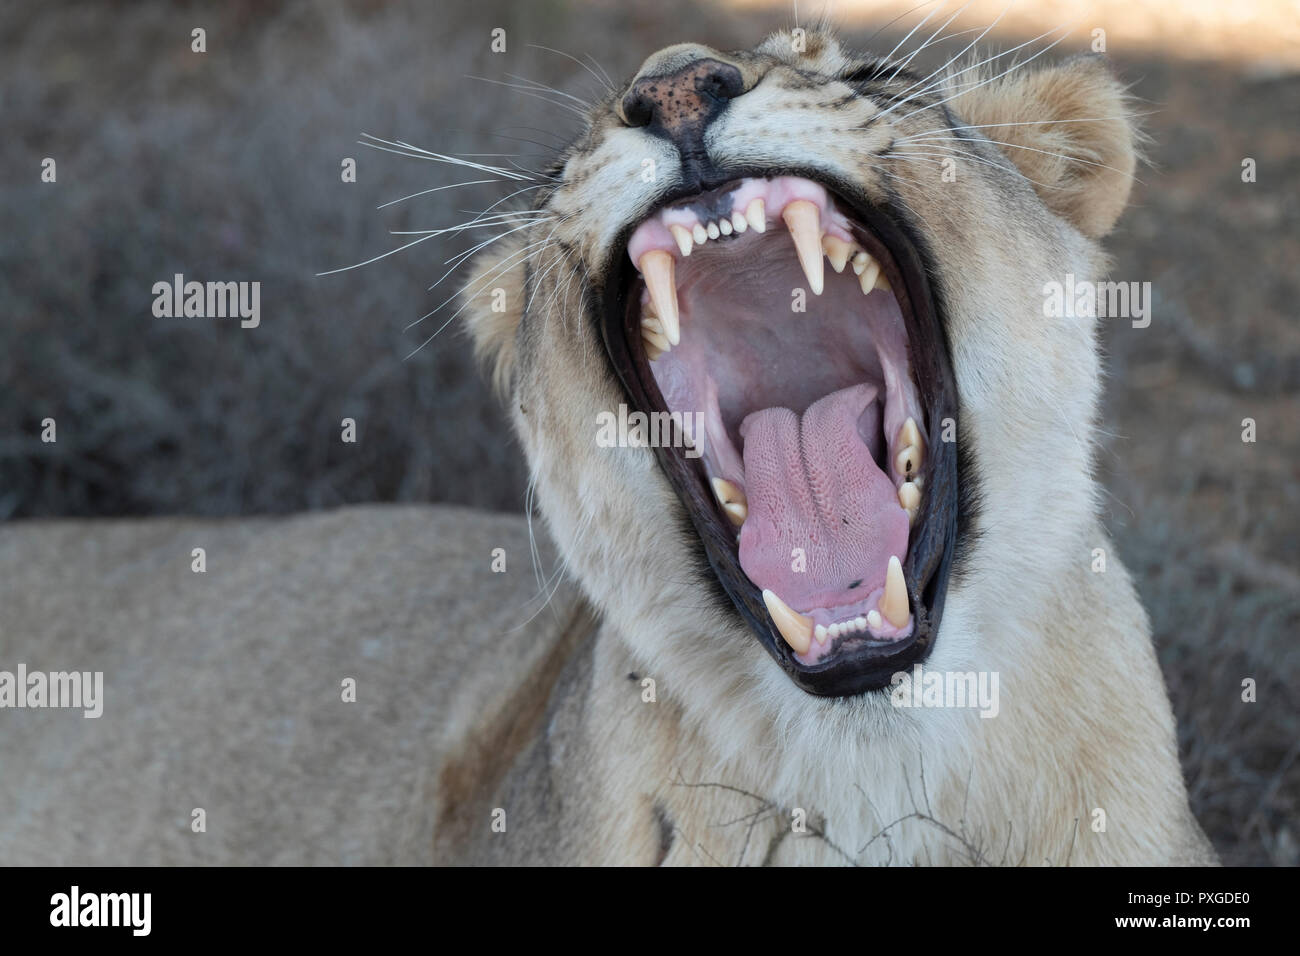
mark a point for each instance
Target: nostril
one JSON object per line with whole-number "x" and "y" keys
{"x": 638, "y": 108}
{"x": 721, "y": 82}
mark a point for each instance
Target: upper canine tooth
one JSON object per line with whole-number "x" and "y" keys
{"x": 893, "y": 603}
{"x": 738, "y": 221}
{"x": 756, "y": 215}
{"x": 732, "y": 499}
{"x": 837, "y": 251}
{"x": 699, "y": 234}
{"x": 657, "y": 266}
{"x": 804, "y": 220}
{"x": 683, "y": 237}
{"x": 794, "y": 627}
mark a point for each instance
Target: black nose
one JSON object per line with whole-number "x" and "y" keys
{"x": 681, "y": 104}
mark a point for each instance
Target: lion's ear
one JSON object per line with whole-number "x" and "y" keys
{"x": 1079, "y": 148}
{"x": 493, "y": 297}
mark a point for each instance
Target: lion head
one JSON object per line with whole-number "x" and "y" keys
{"x": 818, "y": 277}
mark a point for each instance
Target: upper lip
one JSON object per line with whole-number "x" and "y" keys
{"x": 929, "y": 555}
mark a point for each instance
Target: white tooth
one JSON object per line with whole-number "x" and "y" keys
{"x": 874, "y": 620}
{"x": 657, "y": 267}
{"x": 833, "y": 630}
{"x": 860, "y": 262}
{"x": 656, "y": 339}
{"x": 732, "y": 499}
{"x": 860, "y": 623}
{"x": 820, "y": 633}
{"x": 867, "y": 278}
{"x": 794, "y": 627}
{"x": 909, "y": 434}
{"x": 756, "y": 215}
{"x": 837, "y": 251}
{"x": 724, "y": 226}
{"x": 804, "y": 220}
{"x": 683, "y": 237}
{"x": 650, "y": 321}
{"x": 909, "y": 496}
{"x": 652, "y": 352}
{"x": 883, "y": 283}
{"x": 699, "y": 235}
{"x": 908, "y": 461}
{"x": 712, "y": 230}
{"x": 739, "y": 222}
{"x": 893, "y": 603}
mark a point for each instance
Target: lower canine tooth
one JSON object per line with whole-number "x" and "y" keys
{"x": 837, "y": 251}
{"x": 732, "y": 499}
{"x": 683, "y": 237}
{"x": 804, "y": 220}
{"x": 657, "y": 266}
{"x": 893, "y": 603}
{"x": 756, "y": 215}
{"x": 794, "y": 627}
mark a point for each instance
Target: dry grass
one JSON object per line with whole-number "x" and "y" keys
{"x": 226, "y": 166}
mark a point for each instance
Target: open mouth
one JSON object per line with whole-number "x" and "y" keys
{"x": 797, "y": 330}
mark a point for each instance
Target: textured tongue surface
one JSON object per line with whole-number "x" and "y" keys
{"x": 812, "y": 484}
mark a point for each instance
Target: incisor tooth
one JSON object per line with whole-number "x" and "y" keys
{"x": 712, "y": 230}
{"x": 794, "y": 627}
{"x": 756, "y": 215}
{"x": 738, "y": 221}
{"x": 724, "y": 226}
{"x": 732, "y": 499}
{"x": 804, "y": 220}
{"x": 699, "y": 234}
{"x": 657, "y": 268}
{"x": 683, "y": 237}
{"x": 873, "y": 620}
{"x": 652, "y": 351}
{"x": 893, "y": 603}
{"x": 860, "y": 262}
{"x": 837, "y": 251}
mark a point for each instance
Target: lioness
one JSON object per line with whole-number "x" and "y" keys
{"x": 831, "y": 269}
{"x": 836, "y": 266}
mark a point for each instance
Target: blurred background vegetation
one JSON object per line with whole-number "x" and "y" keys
{"x": 226, "y": 166}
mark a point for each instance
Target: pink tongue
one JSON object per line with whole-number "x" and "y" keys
{"x": 812, "y": 484}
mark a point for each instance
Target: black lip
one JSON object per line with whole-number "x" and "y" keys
{"x": 854, "y": 669}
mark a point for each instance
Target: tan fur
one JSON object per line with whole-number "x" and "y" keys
{"x": 1087, "y": 726}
